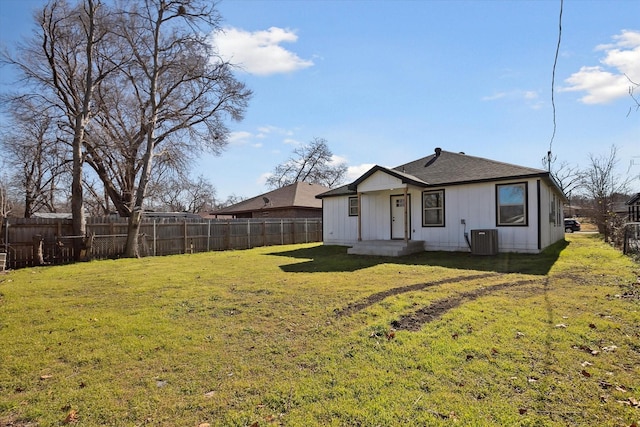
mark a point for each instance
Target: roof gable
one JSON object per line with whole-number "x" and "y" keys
{"x": 403, "y": 177}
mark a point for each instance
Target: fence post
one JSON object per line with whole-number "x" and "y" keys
{"x": 209, "y": 236}
{"x": 185, "y": 237}
{"x": 154, "y": 238}
{"x": 282, "y": 232}
{"x": 306, "y": 231}
{"x": 264, "y": 232}
{"x": 248, "y": 234}
{"x": 6, "y": 235}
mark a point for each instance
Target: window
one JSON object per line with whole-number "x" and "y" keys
{"x": 353, "y": 206}
{"x": 511, "y": 201}
{"x": 433, "y": 208}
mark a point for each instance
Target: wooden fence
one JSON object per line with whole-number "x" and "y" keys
{"x": 20, "y": 237}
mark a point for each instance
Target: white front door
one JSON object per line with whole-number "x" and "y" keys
{"x": 397, "y": 216}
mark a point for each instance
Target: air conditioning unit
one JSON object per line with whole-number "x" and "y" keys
{"x": 484, "y": 242}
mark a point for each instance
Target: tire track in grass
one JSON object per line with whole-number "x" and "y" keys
{"x": 414, "y": 321}
{"x": 379, "y": 296}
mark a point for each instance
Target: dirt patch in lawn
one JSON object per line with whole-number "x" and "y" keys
{"x": 379, "y": 296}
{"x": 414, "y": 321}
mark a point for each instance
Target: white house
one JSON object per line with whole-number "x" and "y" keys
{"x": 445, "y": 202}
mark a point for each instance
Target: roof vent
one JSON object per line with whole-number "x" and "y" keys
{"x": 438, "y": 151}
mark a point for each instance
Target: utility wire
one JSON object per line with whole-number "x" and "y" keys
{"x": 553, "y": 83}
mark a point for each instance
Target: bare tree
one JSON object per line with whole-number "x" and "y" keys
{"x": 63, "y": 63}
{"x": 632, "y": 94}
{"x": 32, "y": 148}
{"x": 167, "y": 103}
{"x": 230, "y": 200}
{"x": 178, "y": 193}
{"x": 309, "y": 163}
{"x": 6, "y": 204}
{"x": 567, "y": 176}
{"x": 604, "y": 188}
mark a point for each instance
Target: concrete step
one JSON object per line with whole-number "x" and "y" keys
{"x": 393, "y": 248}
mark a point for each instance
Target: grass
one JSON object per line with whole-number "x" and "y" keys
{"x": 306, "y": 335}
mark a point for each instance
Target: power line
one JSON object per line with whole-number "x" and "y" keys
{"x": 553, "y": 79}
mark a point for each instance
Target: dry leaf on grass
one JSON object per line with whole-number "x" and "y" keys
{"x": 71, "y": 417}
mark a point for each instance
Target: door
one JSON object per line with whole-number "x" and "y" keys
{"x": 397, "y": 216}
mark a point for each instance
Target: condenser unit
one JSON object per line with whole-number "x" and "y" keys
{"x": 484, "y": 242}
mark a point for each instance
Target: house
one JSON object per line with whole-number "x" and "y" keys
{"x": 297, "y": 200}
{"x": 633, "y": 208}
{"x": 445, "y": 202}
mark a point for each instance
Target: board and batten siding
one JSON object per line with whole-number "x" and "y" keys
{"x": 338, "y": 228}
{"x": 473, "y": 203}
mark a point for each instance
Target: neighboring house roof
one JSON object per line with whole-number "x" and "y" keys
{"x": 634, "y": 199}
{"x": 448, "y": 168}
{"x": 296, "y": 195}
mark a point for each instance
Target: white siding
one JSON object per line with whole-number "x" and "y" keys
{"x": 338, "y": 228}
{"x": 380, "y": 181}
{"x": 474, "y": 203}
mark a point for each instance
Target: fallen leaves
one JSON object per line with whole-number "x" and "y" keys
{"x": 633, "y": 402}
{"x": 71, "y": 417}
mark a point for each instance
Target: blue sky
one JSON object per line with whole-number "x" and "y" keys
{"x": 385, "y": 82}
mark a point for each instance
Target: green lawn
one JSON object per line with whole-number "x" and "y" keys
{"x": 305, "y": 335}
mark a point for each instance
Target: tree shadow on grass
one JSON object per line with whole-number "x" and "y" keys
{"x": 335, "y": 259}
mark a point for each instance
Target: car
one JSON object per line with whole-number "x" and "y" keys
{"x": 571, "y": 225}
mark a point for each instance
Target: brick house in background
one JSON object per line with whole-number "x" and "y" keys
{"x": 297, "y": 200}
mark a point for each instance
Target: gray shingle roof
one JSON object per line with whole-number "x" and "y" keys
{"x": 447, "y": 168}
{"x": 457, "y": 168}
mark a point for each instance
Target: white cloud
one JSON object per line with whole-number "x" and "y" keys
{"x": 355, "y": 172}
{"x": 239, "y": 138}
{"x": 609, "y": 81}
{"x": 262, "y": 179}
{"x": 259, "y": 52}
{"x": 529, "y": 96}
{"x": 337, "y": 160}
{"x": 495, "y": 96}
